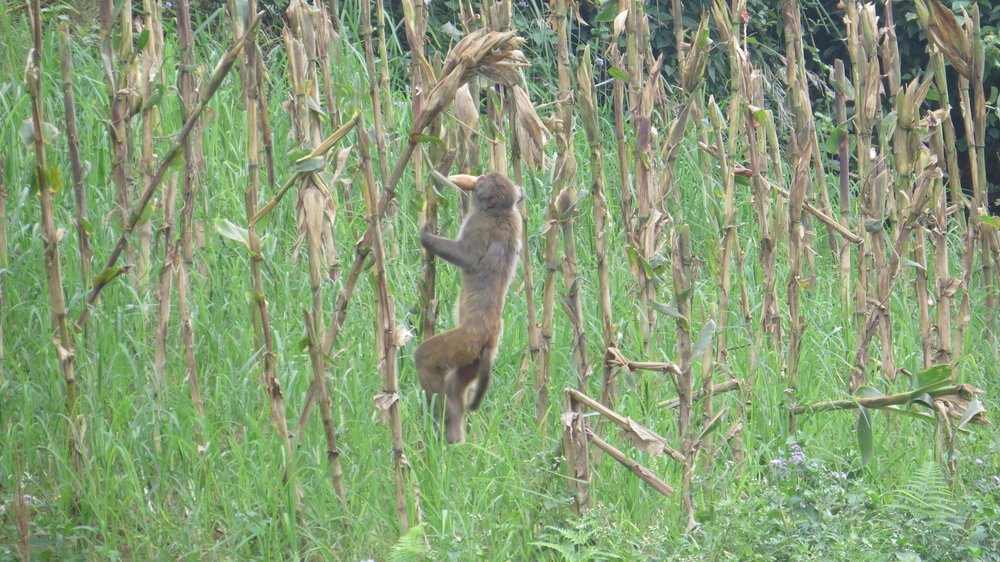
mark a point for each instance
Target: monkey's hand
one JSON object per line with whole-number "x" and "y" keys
{"x": 426, "y": 234}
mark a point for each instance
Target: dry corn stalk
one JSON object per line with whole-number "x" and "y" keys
{"x": 588, "y": 114}
{"x": 208, "y": 88}
{"x": 44, "y": 176}
{"x": 76, "y": 165}
{"x": 194, "y": 164}
{"x": 801, "y": 149}
{"x": 387, "y": 339}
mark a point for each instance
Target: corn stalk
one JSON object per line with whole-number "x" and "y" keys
{"x": 194, "y": 164}
{"x": 116, "y": 84}
{"x": 588, "y": 113}
{"x": 683, "y": 279}
{"x": 263, "y": 340}
{"x": 387, "y": 340}
{"x": 47, "y": 180}
{"x": 862, "y": 31}
{"x": 72, "y": 141}
{"x": 207, "y": 89}
{"x": 373, "y": 84}
{"x": 801, "y": 150}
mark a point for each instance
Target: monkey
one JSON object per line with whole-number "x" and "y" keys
{"x": 486, "y": 250}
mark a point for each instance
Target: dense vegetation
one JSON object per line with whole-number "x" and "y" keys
{"x": 139, "y": 467}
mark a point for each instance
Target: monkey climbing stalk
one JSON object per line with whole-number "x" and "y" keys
{"x": 44, "y": 179}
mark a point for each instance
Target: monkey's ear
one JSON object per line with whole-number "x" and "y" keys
{"x": 491, "y": 200}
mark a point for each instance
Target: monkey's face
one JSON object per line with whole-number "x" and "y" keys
{"x": 495, "y": 193}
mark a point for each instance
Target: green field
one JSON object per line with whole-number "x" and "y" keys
{"x": 157, "y": 480}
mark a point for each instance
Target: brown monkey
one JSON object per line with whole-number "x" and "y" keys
{"x": 486, "y": 250}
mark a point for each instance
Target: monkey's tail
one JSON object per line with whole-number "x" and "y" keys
{"x": 482, "y": 381}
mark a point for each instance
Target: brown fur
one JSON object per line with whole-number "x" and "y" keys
{"x": 486, "y": 250}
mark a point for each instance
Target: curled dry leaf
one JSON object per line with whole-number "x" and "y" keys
{"x": 619, "y": 24}
{"x": 529, "y": 130}
{"x": 564, "y": 200}
{"x": 465, "y": 109}
{"x": 401, "y": 335}
{"x": 615, "y": 358}
{"x": 491, "y": 54}
{"x": 644, "y": 439}
{"x": 312, "y": 213}
{"x": 385, "y": 400}
{"x": 956, "y": 405}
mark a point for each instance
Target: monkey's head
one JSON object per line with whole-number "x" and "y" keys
{"x": 491, "y": 192}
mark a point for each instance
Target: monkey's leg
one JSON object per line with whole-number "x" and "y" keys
{"x": 436, "y": 361}
{"x": 456, "y": 384}
{"x": 432, "y": 377}
{"x": 482, "y": 377}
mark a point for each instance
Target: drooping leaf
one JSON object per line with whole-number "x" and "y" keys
{"x": 711, "y": 426}
{"x": 932, "y": 378}
{"x": 53, "y": 176}
{"x": 617, "y": 74}
{"x": 865, "y": 435}
{"x": 229, "y": 230}
{"x": 868, "y": 392}
{"x": 992, "y": 221}
{"x": 704, "y": 342}
{"x": 308, "y": 165}
{"x": 27, "y": 132}
{"x": 429, "y": 139}
{"x": 836, "y": 135}
{"x": 143, "y": 39}
{"x": 975, "y": 407}
{"x": 106, "y": 276}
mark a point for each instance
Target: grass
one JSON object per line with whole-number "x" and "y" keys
{"x": 153, "y": 490}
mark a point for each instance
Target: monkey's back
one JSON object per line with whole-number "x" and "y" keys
{"x": 496, "y": 237}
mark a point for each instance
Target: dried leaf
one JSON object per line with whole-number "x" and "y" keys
{"x": 466, "y": 110}
{"x": 385, "y": 400}
{"x": 644, "y": 439}
{"x": 529, "y": 130}
{"x": 401, "y": 335}
{"x": 619, "y": 23}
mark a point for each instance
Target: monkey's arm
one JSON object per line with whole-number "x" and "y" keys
{"x": 448, "y": 250}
